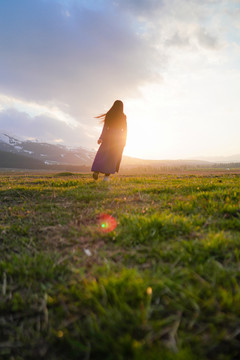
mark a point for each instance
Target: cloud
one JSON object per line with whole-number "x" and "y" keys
{"x": 67, "y": 53}
{"x": 193, "y": 40}
{"x": 85, "y": 54}
{"x": 143, "y": 8}
{"x": 181, "y": 24}
{"x": 178, "y": 40}
{"x": 44, "y": 128}
{"x": 207, "y": 40}
{"x": 73, "y": 58}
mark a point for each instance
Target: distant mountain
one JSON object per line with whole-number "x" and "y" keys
{"x": 17, "y": 161}
{"x": 130, "y": 161}
{"x": 47, "y": 154}
{"x": 26, "y": 154}
{"x": 220, "y": 159}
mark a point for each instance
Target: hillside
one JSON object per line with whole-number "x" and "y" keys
{"x": 10, "y": 160}
{"x": 57, "y": 157}
{"x": 49, "y": 154}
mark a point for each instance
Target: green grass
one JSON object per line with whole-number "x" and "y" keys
{"x": 164, "y": 284}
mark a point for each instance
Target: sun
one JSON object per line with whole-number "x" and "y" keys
{"x": 145, "y": 138}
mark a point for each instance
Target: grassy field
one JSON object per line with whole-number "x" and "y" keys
{"x": 164, "y": 284}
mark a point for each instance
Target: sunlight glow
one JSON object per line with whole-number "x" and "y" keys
{"x": 190, "y": 115}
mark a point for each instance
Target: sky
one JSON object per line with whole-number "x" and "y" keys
{"x": 175, "y": 64}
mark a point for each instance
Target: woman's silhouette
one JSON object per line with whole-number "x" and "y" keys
{"x": 112, "y": 140}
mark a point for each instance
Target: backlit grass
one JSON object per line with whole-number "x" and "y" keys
{"x": 164, "y": 284}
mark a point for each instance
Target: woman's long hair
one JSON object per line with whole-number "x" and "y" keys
{"x": 114, "y": 116}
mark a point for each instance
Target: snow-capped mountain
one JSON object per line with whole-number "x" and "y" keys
{"x": 16, "y": 153}
{"x": 49, "y": 154}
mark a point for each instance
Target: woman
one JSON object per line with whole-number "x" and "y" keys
{"x": 112, "y": 140}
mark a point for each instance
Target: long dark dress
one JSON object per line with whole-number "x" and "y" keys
{"x": 109, "y": 154}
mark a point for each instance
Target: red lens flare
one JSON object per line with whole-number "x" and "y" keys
{"x": 107, "y": 223}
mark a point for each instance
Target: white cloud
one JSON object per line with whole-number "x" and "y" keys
{"x": 34, "y": 109}
{"x": 49, "y": 57}
{"x": 45, "y": 128}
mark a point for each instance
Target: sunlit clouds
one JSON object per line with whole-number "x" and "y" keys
{"x": 175, "y": 64}
{"x": 35, "y": 109}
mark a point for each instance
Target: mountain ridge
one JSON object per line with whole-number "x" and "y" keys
{"x": 49, "y": 154}
{"x": 54, "y": 155}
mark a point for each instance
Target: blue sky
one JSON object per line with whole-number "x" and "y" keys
{"x": 174, "y": 63}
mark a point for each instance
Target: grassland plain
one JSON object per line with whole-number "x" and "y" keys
{"x": 164, "y": 284}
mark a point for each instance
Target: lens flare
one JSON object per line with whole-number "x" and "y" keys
{"x": 107, "y": 223}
